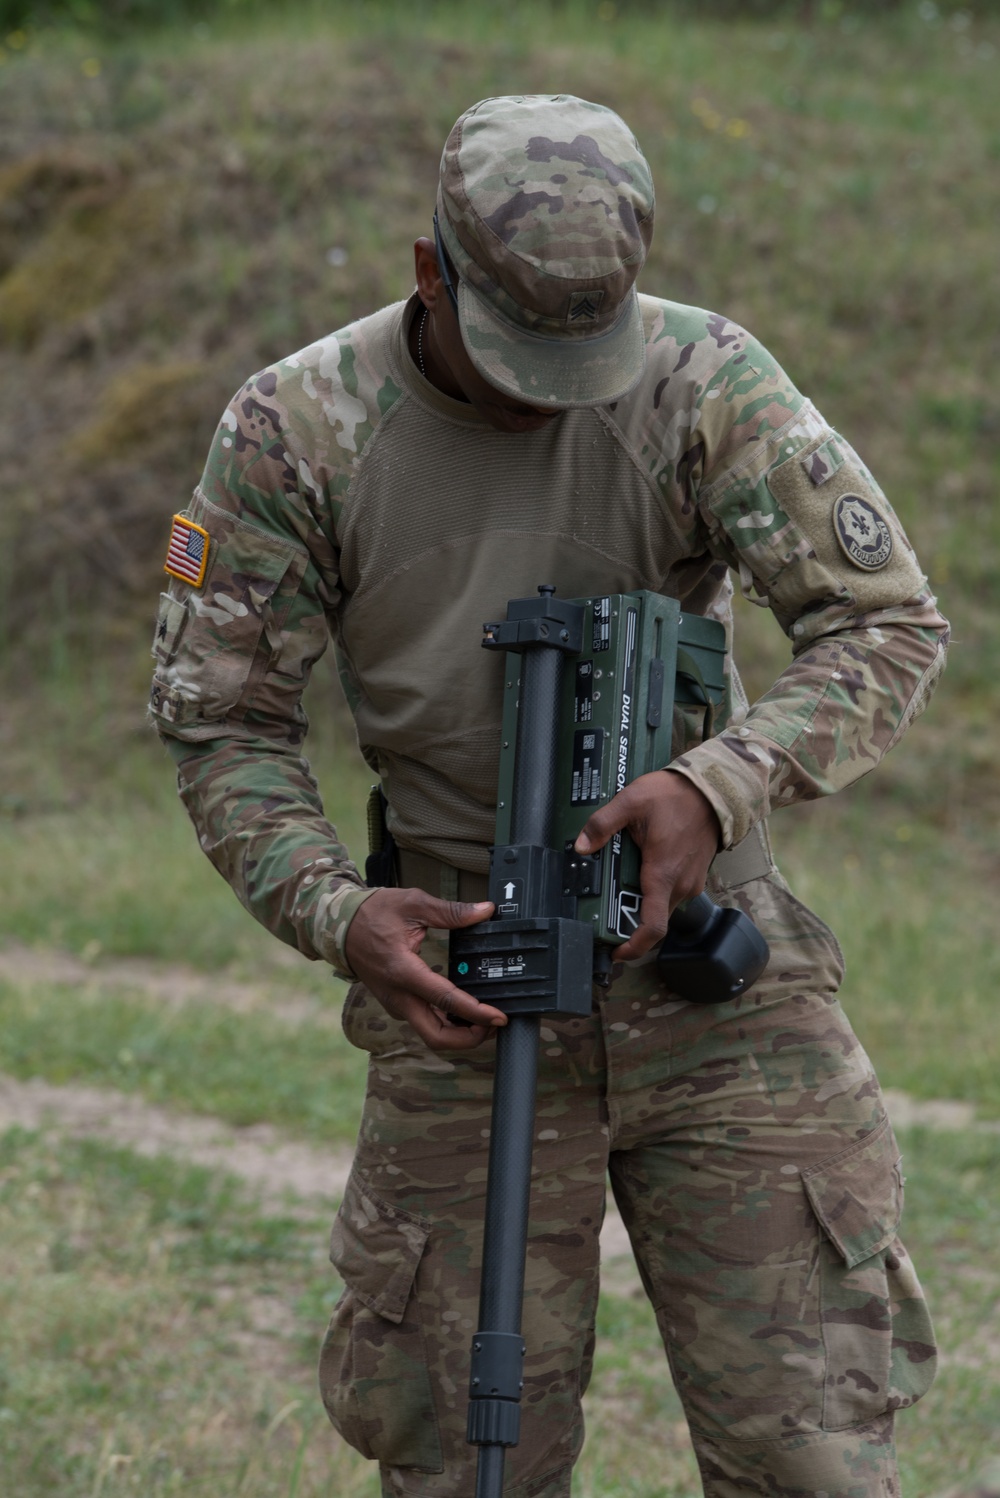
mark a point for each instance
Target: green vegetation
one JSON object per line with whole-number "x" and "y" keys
{"x": 99, "y": 857}
{"x": 159, "y": 1333}
{"x": 912, "y": 912}
{"x": 239, "y": 1068}
{"x": 182, "y": 204}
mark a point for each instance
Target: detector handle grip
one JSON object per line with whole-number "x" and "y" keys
{"x": 711, "y": 953}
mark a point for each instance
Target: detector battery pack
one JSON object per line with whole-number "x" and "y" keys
{"x": 641, "y": 657}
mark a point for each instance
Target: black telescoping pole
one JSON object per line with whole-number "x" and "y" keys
{"x": 536, "y": 957}
{"x": 497, "y": 1349}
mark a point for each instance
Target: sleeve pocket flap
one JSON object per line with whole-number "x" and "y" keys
{"x": 857, "y": 1195}
{"x": 249, "y": 548}
{"x": 375, "y": 1249}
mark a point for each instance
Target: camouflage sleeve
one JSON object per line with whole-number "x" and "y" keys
{"x": 234, "y": 648}
{"x": 795, "y": 512}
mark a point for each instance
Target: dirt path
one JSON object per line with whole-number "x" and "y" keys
{"x": 277, "y": 1167}
{"x": 171, "y": 983}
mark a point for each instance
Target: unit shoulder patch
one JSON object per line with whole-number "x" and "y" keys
{"x": 187, "y": 551}
{"x": 845, "y": 525}
{"x": 863, "y": 535}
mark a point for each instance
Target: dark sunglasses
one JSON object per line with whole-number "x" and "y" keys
{"x": 443, "y": 265}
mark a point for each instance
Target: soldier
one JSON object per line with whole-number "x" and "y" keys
{"x": 525, "y": 416}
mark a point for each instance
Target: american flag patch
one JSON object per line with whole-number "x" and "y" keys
{"x": 187, "y": 553}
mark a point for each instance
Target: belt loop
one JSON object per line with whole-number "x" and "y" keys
{"x": 449, "y": 882}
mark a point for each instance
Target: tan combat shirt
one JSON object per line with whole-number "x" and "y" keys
{"x": 345, "y": 496}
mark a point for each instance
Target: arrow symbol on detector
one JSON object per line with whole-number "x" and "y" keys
{"x": 508, "y": 891}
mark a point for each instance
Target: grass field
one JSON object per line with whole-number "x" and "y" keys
{"x": 178, "y": 208}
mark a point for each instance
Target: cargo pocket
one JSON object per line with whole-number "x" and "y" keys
{"x": 373, "y": 1366}
{"x": 214, "y": 644}
{"x": 877, "y": 1332}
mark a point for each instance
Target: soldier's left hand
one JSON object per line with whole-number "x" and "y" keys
{"x": 677, "y": 832}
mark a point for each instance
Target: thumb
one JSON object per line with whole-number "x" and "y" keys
{"x": 596, "y": 831}
{"x": 453, "y": 914}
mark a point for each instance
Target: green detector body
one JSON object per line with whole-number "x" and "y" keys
{"x": 642, "y": 656}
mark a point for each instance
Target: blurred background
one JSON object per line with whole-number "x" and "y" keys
{"x": 189, "y": 191}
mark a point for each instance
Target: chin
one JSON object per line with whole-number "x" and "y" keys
{"x": 516, "y": 421}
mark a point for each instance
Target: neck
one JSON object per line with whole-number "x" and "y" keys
{"x": 426, "y": 354}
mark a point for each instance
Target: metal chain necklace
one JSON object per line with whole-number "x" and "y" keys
{"x": 420, "y": 342}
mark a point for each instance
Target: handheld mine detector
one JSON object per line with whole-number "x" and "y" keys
{"x": 588, "y": 706}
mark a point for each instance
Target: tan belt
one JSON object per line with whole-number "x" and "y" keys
{"x": 420, "y": 871}
{"x": 750, "y": 859}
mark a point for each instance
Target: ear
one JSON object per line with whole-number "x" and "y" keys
{"x": 430, "y": 287}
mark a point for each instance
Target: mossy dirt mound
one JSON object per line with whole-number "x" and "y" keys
{"x": 163, "y": 234}
{"x": 177, "y": 212}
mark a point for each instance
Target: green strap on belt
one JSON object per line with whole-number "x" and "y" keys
{"x": 689, "y": 669}
{"x": 380, "y": 865}
{"x": 375, "y": 813}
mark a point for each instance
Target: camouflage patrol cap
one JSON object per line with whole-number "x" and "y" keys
{"x": 545, "y": 206}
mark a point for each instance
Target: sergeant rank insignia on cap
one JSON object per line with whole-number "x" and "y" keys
{"x": 187, "y": 552}
{"x": 863, "y": 535}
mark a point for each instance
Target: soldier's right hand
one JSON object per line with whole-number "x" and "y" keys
{"x": 382, "y": 947}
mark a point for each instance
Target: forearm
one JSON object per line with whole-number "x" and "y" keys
{"x": 260, "y": 820}
{"x": 828, "y": 720}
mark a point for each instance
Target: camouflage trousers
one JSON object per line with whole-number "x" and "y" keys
{"x": 757, "y": 1174}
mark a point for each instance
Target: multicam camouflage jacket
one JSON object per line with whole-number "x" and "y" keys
{"x": 345, "y": 496}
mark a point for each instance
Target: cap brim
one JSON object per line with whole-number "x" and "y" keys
{"x": 557, "y": 372}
